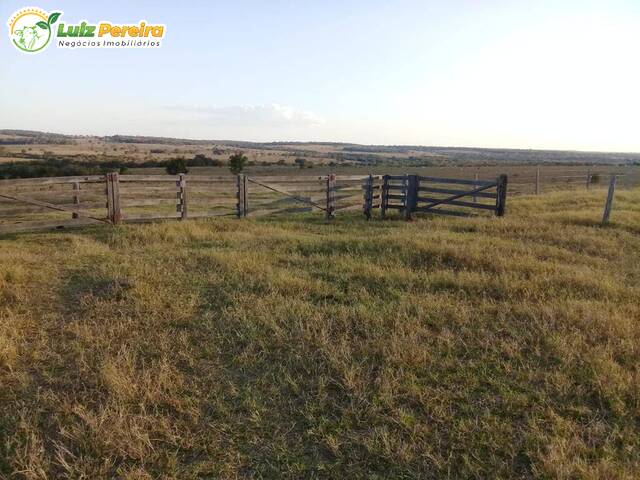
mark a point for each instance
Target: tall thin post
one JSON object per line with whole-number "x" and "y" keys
{"x": 245, "y": 196}
{"x": 501, "y": 197}
{"x": 384, "y": 196}
{"x": 331, "y": 196}
{"x": 241, "y": 197}
{"x": 609, "y": 205}
{"x": 588, "y": 178}
{"x": 76, "y": 197}
{"x": 182, "y": 196}
{"x": 368, "y": 196}
{"x": 538, "y": 181}
{"x": 113, "y": 198}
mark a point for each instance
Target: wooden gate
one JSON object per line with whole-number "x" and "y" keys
{"x": 52, "y": 202}
{"x": 414, "y": 193}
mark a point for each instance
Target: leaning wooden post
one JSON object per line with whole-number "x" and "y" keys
{"x": 384, "y": 196}
{"x": 538, "y": 181}
{"x": 368, "y": 197}
{"x": 113, "y": 198}
{"x": 609, "y": 205}
{"x": 501, "y": 197}
{"x": 76, "y": 197}
{"x": 240, "y": 195}
{"x": 182, "y": 196}
{"x": 331, "y": 196}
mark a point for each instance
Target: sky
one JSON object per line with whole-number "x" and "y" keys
{"x": 479, "y": 73}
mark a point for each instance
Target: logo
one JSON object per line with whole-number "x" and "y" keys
{"x": 30, "y": 29}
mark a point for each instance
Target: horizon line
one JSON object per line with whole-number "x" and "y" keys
{"x": 319, "y": 142}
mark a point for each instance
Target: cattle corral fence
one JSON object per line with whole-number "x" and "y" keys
{"x": 58, "y": 202}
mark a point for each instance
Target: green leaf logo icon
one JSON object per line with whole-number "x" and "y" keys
{"x": 42, "y": 25}
{"x": 53, "y": 17}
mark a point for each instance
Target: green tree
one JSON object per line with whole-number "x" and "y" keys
{"x": 176, "y": 166}
{"x": 237, "y": 162}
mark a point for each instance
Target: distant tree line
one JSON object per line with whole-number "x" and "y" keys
{"x": 48, "y": 166}
{"x": 236, "y": 163}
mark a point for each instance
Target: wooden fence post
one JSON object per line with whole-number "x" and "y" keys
{"x": 241, "y": 195}
{"x": 384, "y": 196}
{"x": 588, "y": 178}
{"x": 416, "y": 192}
{"x": 410, "y": 195}
{"x": 501, "y": 198}
{"x": 113, "y": 198}
{"x": 609, "y": 205}
{"x": 538, "y": 181}
{"x": 405, "y": 191}
{"x": 182, "y": 196}
{"x": 245, "y": 196}
{"x": 368, "y": 196}
{"x": 76, "y": 197}
{"x": 331, "y": 196}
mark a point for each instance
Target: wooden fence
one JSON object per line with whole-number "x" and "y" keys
{"x": 57, "y": 202}
{"x": 538, "y": 180}
{"x": 42, "y": 203}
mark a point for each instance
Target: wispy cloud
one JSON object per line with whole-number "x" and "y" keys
{"x": 273, "y": 115}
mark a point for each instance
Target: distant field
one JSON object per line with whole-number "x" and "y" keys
{"x": 145, "y": 149}
{"x": 291, "y": 348}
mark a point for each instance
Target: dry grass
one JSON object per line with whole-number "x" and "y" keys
{"x": 462, "y": 348}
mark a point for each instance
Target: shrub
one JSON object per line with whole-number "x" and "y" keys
{"x": 176, "y": 166}
{"x": 237, "y": 162}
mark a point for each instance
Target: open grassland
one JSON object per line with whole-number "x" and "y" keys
{"x": 289, "y": 348}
